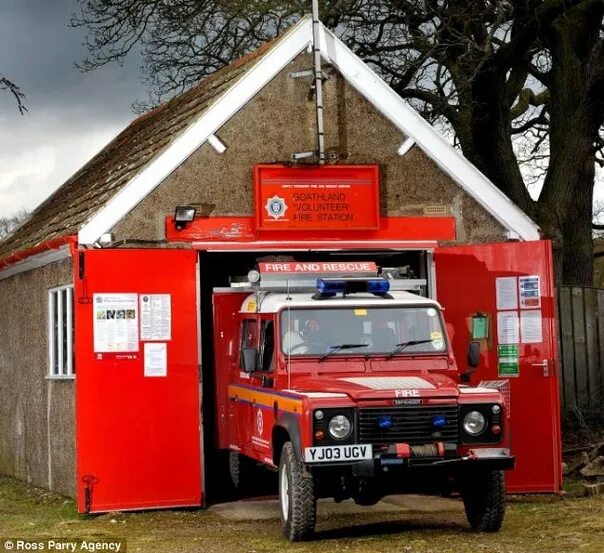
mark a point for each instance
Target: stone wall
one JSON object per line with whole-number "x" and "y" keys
{"x": 37, "y": 417}
{"x": 280, "y": 120}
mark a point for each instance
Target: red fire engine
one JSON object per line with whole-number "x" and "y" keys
{"x": 332, "y": 365}
{"x": 345, "y": 383}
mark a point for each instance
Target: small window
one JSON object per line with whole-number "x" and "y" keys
{"x": 60, "y": 332}
{"x": 267, "y": 346}
{"x": 249, "y": 337}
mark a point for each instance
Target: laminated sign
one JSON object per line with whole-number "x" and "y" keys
{"x": 115, "y": 322}
{"x": 508, "y": 360}
{"x": 330, "y": 197}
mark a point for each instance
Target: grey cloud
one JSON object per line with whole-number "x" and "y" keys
{"x": 71, "y": 115}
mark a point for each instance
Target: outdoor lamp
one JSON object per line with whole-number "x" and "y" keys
{"x": 184, "y": 214}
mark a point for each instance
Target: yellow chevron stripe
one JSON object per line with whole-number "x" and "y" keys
{"x": 268, "y": 399}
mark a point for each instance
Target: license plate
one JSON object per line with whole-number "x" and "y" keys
{"x": 337, "y": 453}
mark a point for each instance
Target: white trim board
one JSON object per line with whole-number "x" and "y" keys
{"x": 414, "y": 126}
{"x": 365, "y": 81}
{"x": 35, "y": 262}
{"x": 227, "y": 105}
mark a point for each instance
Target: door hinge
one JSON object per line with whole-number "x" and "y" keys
{"x": 88, "y": 480}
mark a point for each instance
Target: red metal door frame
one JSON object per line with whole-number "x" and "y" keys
{"x": 466, "y": 285}
{"x": 138, "y": 436}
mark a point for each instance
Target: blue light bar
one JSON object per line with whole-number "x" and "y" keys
{"x": 378, "y": 286}
{"x": 333, "y": 286}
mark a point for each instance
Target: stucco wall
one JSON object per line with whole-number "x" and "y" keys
{"x": 37, "y": 427}
{"x": 280, "y": 120}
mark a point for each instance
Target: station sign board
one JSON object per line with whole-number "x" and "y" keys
{"x": 327, "y": 197}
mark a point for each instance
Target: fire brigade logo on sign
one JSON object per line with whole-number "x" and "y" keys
{"x": 276, "y": 207}
{"x": 259, "y": 422}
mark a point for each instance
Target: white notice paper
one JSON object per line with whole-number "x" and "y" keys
{"x": 156, "y": 360}
{"x": 115, "y": 322}
{"x": 507, "y": 327}
{"x": 531, "y": 327}
{"x": 156, "y": 317}
{"x": 506, "y": 292}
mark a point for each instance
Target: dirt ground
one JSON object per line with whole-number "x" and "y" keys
{"x": 401, "y": 524}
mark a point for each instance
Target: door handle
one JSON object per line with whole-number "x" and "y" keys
{"x": 544, "y": 364}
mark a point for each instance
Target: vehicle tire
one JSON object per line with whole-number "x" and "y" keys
{"x": 484, "y": 500}
{"x": 297, "y": 496}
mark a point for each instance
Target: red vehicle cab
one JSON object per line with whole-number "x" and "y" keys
{"x": 347, "y": 386}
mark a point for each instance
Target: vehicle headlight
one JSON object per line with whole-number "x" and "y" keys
{"x": 340, "y": 427}
{"x": 474, "y": 423}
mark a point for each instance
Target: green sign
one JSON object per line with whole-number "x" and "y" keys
{"x": 480, "y": 326}
{"x": 507, "y": 357}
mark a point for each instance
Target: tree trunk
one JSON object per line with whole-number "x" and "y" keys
{"x": 492, "y": 137}
{"x": 565, "y": 215}
{"x": 575, "y": 117}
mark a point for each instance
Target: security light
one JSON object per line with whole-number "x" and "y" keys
{"x": 184, "y": 214}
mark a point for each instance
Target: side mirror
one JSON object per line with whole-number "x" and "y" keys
{"x": 473, "y": 356}
{"x": 250, "y": 359}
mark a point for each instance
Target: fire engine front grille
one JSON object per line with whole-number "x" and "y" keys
{"x": 408, "y": 424}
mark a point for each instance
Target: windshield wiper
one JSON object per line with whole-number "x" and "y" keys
{"x": 340, "y": 348}
{"x": 400, "y": 347}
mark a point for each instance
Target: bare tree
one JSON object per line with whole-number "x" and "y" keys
{"x": 598, "y": 224}
{"x": 9, "y": 224}
{"x": 12, "y": 88}
{"x": 520, "y": 83}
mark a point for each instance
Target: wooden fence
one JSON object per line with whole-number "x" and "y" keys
{"x": 581, "y": 348}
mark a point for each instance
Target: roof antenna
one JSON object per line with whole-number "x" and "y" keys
{"x": 316, "y": 27}
{"x": 289, "y": 345}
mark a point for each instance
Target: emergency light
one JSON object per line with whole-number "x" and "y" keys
{"x": 439, "y": 421}
{"x": 332, "y": 286}
{"x": 385, "y": 422}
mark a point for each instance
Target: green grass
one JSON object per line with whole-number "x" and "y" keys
{"x": 533, "y": 526}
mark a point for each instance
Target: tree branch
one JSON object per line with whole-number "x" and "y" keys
{"x": 526, "y": 98}
{"x": 11, "y": 87}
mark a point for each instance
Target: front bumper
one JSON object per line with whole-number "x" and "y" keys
{"x": 391, "y": 461}
{"x": 491, "y": 458}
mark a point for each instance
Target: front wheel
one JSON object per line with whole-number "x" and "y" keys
{"x": 484, "y": 500}
{"x": 297, "y": 496}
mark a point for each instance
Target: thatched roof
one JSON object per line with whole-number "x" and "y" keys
{"x": 74, "y": 202}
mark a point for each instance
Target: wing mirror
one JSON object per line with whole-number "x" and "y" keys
{"x": 250, "y": 359}
{"x": 473, "y": 361}
{"x": 473, "y": 356}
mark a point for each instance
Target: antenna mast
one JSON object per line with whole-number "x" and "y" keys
{"x": 318, "y": 81}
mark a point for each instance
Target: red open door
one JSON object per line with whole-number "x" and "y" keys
{"x": 226, "y": 306}
{"x": 138, "y": 424}
{"x": 509, "y": 286}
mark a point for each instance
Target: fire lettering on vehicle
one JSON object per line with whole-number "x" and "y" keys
{"x": 406, "y": 393}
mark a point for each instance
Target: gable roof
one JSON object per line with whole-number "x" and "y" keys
{"x": 76, "y": 201}
{"x": 128, "y": 169}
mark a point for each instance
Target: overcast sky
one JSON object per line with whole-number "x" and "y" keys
{"x": 70, "y": 116}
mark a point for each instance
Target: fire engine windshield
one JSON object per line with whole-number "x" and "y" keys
{"x": 363, "y": 331}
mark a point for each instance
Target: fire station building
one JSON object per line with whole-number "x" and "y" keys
{"x": 124, "y": 255}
